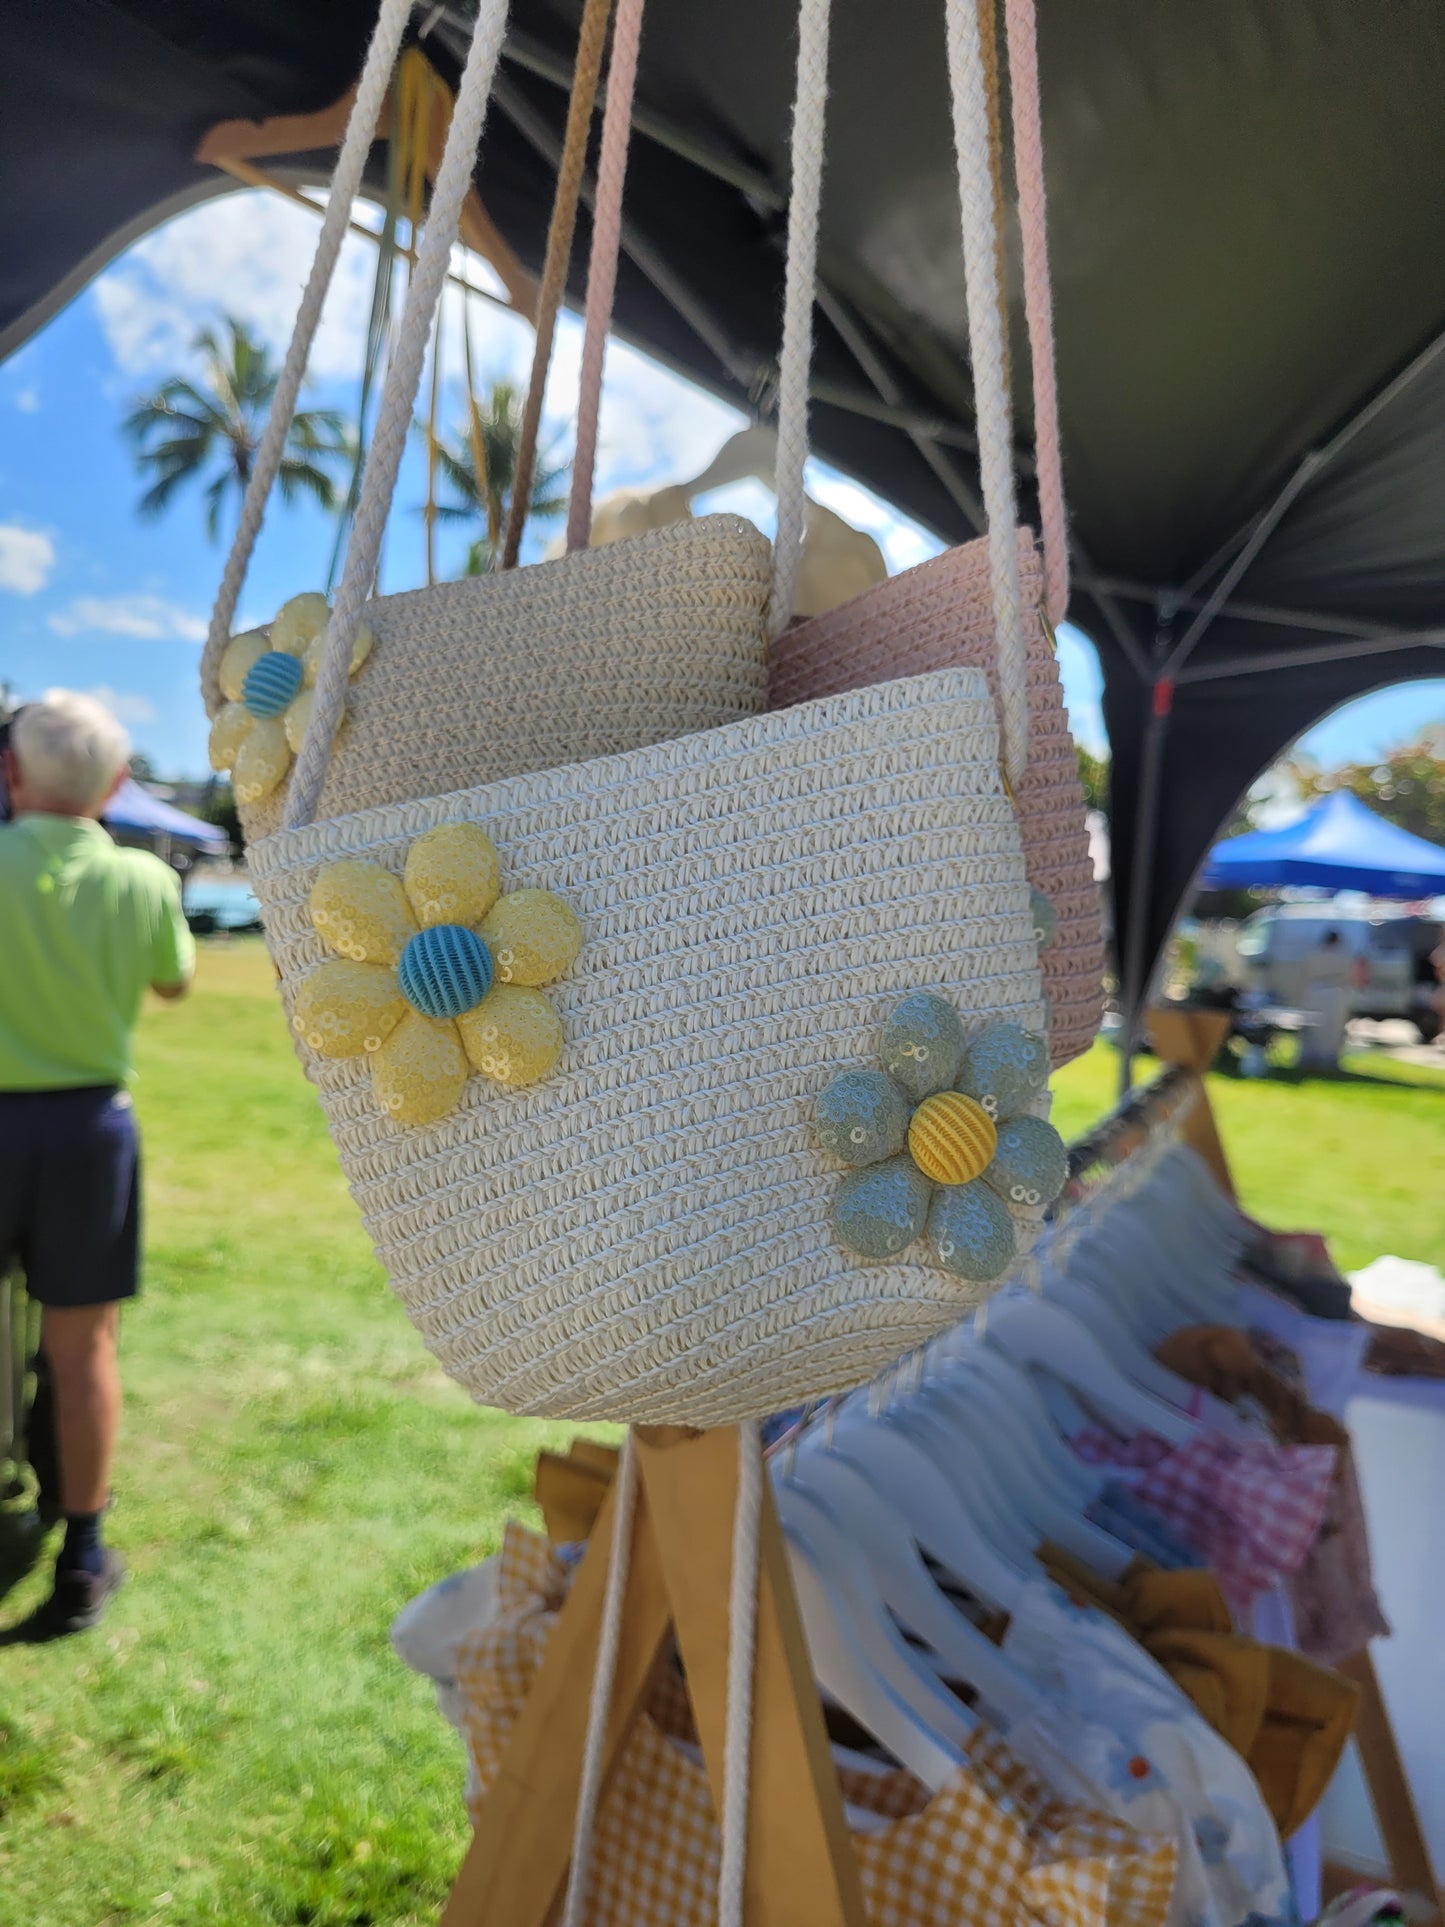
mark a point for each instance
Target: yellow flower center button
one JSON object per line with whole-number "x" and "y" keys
{"x": 952, "y": 1138}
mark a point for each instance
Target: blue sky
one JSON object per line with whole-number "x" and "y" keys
{"x": 91, "y": 597}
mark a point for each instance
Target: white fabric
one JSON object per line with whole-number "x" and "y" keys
{"x": 1122, "y": 1722}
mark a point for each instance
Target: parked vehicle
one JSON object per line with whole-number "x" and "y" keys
{"x": 1391, "y": 953}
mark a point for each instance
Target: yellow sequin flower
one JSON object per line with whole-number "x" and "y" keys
{"x": 267, "y": 676}
{"x": 437, "y": 974}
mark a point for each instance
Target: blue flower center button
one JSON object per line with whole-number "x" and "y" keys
{"x": 445, "y": 971}
{"x": 271, "y": 683}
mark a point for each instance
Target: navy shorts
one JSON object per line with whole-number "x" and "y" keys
{"x": 70, "y": 1194}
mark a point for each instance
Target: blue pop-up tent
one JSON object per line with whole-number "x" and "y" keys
{"x": 132, "y": 808}
{"x": 1337, "y": 845}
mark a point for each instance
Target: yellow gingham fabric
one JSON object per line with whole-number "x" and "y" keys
{"x": 993, "y": 1848}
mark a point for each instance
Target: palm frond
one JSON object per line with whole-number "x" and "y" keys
{"x": 297, "y": 477}
{"x": 215, "y": 501}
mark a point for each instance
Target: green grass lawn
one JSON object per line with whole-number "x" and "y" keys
{"x": 237, "y": 1744}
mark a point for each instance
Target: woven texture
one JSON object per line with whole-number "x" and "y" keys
{"x": 646, "y": 1234}
{"x": 938, "y": 614}
{"x": 604, "y": 651}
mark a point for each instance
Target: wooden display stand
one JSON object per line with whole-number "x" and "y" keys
{"x": 1191, "y": 1039}
{"x": 800, "y": 1864}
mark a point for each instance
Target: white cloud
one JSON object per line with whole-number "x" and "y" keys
{"x": 26, "y": 559}
{"x": 149, "y": 618}
{"x": 126, "y": 705}
{"x": 247, "y": 255}
{"x": 27, "y": 401}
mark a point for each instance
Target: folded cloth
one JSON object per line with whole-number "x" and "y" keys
{"x": 1286, "y": 1716}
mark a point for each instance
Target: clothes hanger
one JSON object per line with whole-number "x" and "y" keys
{"x": 854, "y": 1596}
{"x": 974, "y": 1422}
{"x": 1025, "y": 1412}
{"x": 1095, "y": 1309}
{"x": 845, "y": 1675}
{"x": 924, "y": 1496}
{"x": 908, "y": 1588}
{"x": 1047, "y": 1338}
{"x": 1114, "y": 1257}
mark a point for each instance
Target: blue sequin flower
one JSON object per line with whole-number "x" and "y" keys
{"x": 941, "y": 1141}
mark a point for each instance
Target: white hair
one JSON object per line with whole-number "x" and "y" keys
{"x": 70, "y": 748}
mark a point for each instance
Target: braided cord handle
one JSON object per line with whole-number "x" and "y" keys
{"x": 978, "y": 215}
{"x": 602, "y": 274}
{"x": 394, "y": 415}
{"x": 345, "y": 185}
{"x": 1023, "y": 60}
{"x": 590, "y": 43}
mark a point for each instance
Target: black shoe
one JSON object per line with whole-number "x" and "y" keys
{"x": 78, "y": 1598}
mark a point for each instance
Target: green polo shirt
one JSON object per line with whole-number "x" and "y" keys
{"x": 84, "y": 927}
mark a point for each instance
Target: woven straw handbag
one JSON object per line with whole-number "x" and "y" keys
{"x": 491, "y": 676}
{"x": 686, "y": 1082}
{"x": 943, "y": 612}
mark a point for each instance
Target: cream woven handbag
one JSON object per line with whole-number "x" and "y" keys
{"x": 493, "y": 675}
{"x": 945, "y": 611}
{"x": 599, "y": 1044}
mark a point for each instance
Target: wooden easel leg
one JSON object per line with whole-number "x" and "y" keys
{"x": 1192, "y": 1038}
{"x": 1390, "y": 1795}
{"x": 801, "y": 1871}
{"x": 800, "y": 1862}
{"x": 514, "y": 1870}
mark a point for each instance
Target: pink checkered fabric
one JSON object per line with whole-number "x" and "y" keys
{"x": 1251, "y": 1509}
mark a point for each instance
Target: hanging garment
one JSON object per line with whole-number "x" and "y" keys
{"x": 1286, "y": 1716}
{"x": 1119, "y": 1718}
{"x": 1332, "y": 1591}
{"x": 992, "y": 1849}
{"x": 1250, "y": 1509}
{"x": 1119, "y": 1510}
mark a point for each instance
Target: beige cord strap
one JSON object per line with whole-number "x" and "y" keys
{"x": 602, "y": 273}
{"x": 393, "y": 419}
{"x": 590, "y": 44}
{"x": 345, "y": 184}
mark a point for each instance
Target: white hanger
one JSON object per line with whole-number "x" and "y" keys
{"x": 1154, "y": 1299}
{"x": 909, "y": 1590}
{"x": 856, "y": 1607}
{"x": 970, "y": 1412}
{"x": 844, "y": 1673}
{"x": 903, "y": 1473}
{"x": 1047, "y": 1338}
{"x": 1022, "y": 1397}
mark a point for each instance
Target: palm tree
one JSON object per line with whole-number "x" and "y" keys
{"x": 499, "y": 417}
{"x": 188, "y": 430}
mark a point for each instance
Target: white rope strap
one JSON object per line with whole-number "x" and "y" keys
{"x": 742, "y": 1648}
{"x": 394, "y": 415}
{"x": 978, "y": 217}
{"x": 600, "y": 1705}
{"x": 345, "y": 184}
{"x": 795, "y": 362}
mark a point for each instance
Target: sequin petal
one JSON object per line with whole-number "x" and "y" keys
{"x": 513, "y": 1035}
{"x": 236, "y": 660}
{"x": 346, "y": 1008}
{"x": 533, "y": 936}
{"x": 261, "y": 762}
{"x": 361, "y": 911}
{"x": 311, "y": 662}
{"x": 452, "y": 875}
{"x": 880, "y": 1210}
{"x": 921, "y": 1044}
{"x": 232, "y": 726}
{"x": 861, "y": 1117}
{"x": 300, "y": 622}
{"x": 420, "y": 1070}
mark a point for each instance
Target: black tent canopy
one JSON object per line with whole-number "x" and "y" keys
{"x": 1247, "y": 211}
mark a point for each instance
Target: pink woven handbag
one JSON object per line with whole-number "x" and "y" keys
{"x": 946, "y": 612}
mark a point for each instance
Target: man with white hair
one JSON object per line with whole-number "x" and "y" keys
{"x": 84, "y": 928}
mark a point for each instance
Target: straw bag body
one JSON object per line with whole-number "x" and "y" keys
{"x": 646, "y": 1235}
{"x": 626, "y": 1203}
{"x": 940, "y": 614}
{"x": 606, "y": 650}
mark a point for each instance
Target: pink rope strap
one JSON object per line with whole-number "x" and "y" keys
{"x": 1023, "y": 60}
{"x": 602, "y": 273}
